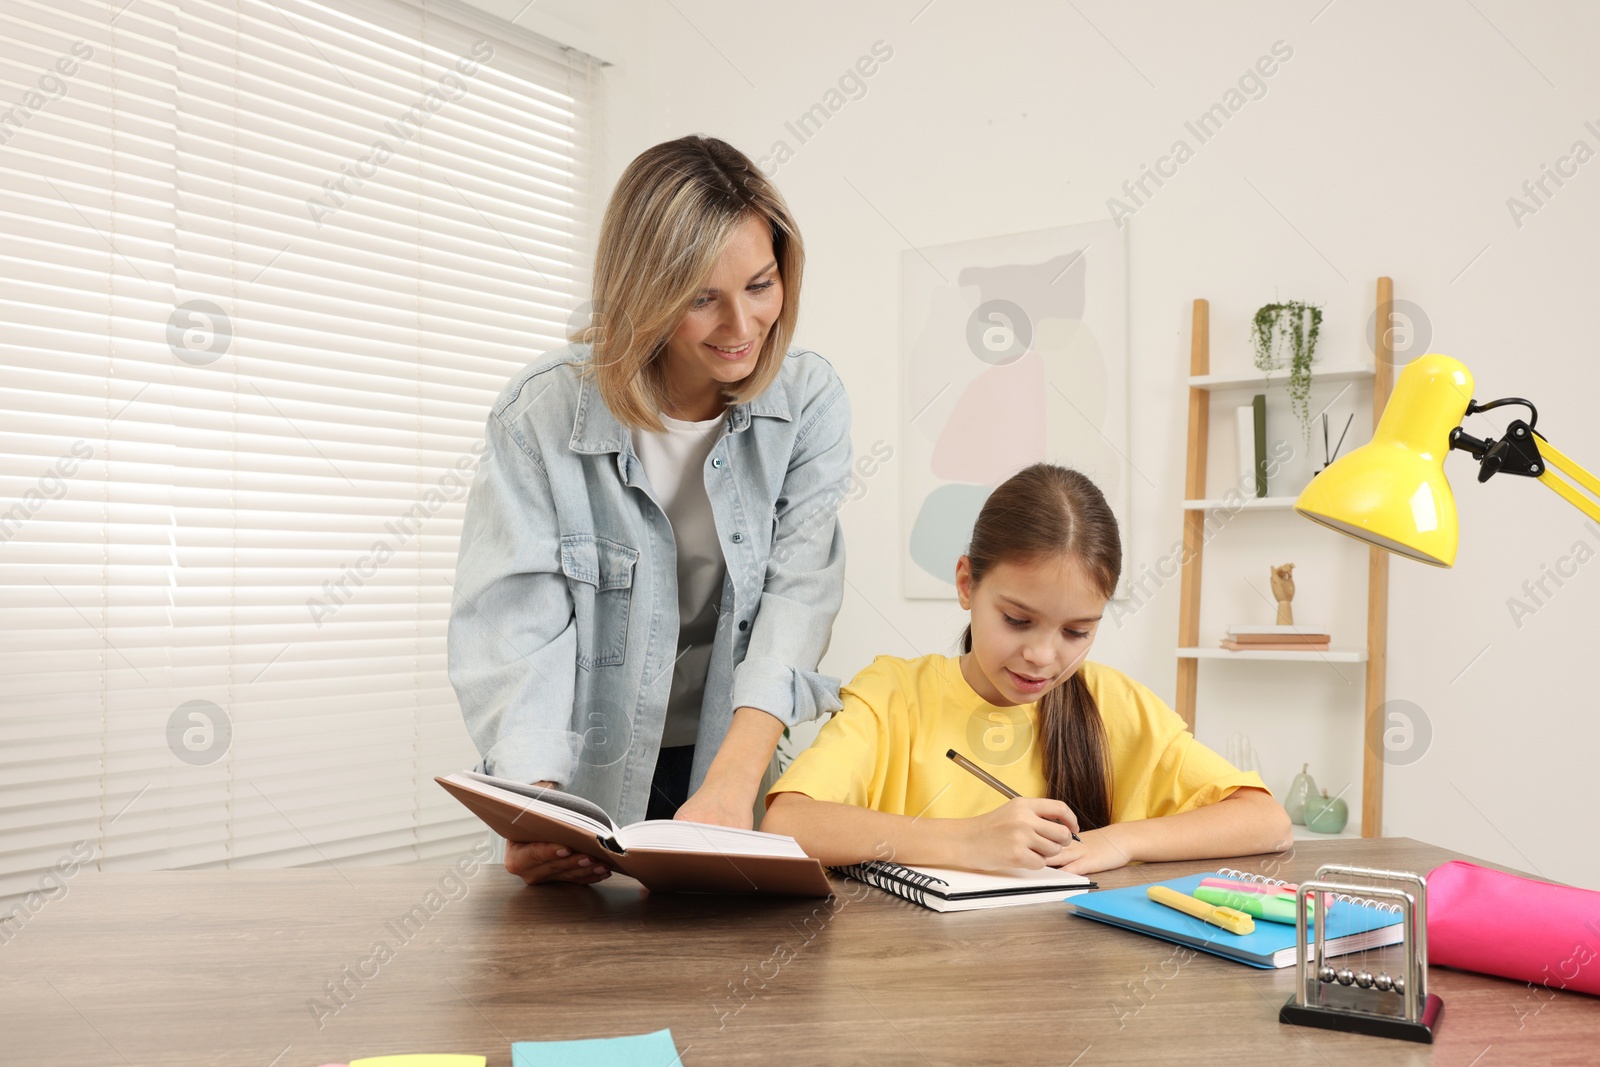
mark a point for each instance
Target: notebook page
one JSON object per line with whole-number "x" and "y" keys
{"x": 961, "y": 880}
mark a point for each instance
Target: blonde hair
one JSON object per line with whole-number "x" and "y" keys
{"x": 669, "y": 219}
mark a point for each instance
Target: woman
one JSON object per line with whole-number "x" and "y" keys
{"x": 651, "y": 559}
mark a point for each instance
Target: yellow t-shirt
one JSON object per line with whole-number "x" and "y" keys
{"x": 886, "y": 749}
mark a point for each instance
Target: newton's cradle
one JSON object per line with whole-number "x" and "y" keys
{"x": 1358, "y": 1001}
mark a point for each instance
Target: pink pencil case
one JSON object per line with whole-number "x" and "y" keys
{"x": 1497, "y": 923}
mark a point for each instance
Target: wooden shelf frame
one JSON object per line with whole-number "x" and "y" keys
{"x": 1195, "y": 507}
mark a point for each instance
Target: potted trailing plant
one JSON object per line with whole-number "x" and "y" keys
{"x": 1284, "y": 334}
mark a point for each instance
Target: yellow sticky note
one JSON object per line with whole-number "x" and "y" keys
{"x": 421, "y": 1060}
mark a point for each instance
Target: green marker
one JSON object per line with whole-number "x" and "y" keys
{"x": 1274, "y": 909}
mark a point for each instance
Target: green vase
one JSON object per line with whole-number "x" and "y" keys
{"x": 1301, "y": 789}
{"x": 1326, "y": 815}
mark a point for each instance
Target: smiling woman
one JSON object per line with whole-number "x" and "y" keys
{"x": 652, "y": 559}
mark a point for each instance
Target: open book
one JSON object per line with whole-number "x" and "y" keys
{"x": 955, "y": 889}
{"x": 665, "y": 855}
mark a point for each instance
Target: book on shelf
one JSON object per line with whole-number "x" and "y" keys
{"x": 1278, "y": 633}
{"x": 1250, "y": 434}
{"x": 1354, "y": 925}
{"x": 665, "y": 855}
{"x": 954, "y": 889}
{"x": 1274, "y": 646}
{"x": 1258, "y": 408}
{"x": 1244, "y": 438}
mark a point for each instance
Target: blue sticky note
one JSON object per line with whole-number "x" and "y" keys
{"x": 636, "y": 1050}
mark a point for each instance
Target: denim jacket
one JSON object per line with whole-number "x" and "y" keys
{"x": 564, "y": 622}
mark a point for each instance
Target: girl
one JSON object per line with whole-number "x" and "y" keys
{"x": 651, "y": 559}
{"x": 1089, "y": 749}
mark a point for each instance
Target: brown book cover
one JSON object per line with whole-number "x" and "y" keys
{"x": 1308, "y": 632}
{"x": 1275, "y": 646}
{"x": 524, "y": 813}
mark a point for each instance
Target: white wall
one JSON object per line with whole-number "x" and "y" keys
{"x": 1388, "y": 144}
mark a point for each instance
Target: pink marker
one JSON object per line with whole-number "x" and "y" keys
{"x": 1250, "y": 887}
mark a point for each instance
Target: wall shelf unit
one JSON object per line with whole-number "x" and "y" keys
{"x": 1196, "y": 507}
{"x": 1251, "y": 503}
{"x": 1303, "y": 834}
{"x": 1333, "y": 655}
{"x": 1256, "y": 379}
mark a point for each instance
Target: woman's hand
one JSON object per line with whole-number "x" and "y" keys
{"x": 1096, "y": 852}
{"x": 546, "y": 861}
{"x": 727, "y": 797}
{"x": 719, "y": 806}
{"x": 1025, "y": 832}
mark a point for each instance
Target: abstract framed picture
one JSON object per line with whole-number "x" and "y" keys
{"x": 1014, "y": 351}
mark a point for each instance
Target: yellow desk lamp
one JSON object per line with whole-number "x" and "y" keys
{"x": 1392, "y": 491}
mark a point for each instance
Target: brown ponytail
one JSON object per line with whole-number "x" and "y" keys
{"x": 1041, "y": 512}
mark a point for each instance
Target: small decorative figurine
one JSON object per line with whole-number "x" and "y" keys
{"x": 1283, "y": 593}
{"x": 1302, "y": 788}
{"x": 1325, "y": 814}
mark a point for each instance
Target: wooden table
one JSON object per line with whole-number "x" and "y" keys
{"x": 238, "y": 967}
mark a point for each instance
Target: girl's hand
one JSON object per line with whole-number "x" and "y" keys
{"x": 719, "y": 807}
{"x": 1096, "y": 852}
{"x": 1024, "y": 832}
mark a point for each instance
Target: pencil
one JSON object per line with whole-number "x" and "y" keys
{"x": 989, "y": 779}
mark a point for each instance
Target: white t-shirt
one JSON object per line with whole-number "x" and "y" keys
{"x": 674, "y": 462}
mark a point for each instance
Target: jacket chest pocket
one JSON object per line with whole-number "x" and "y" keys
{"x": 600, "y": 573}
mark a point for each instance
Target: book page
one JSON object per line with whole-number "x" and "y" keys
{"x": 675, "y": 836}
{"x": 566, "y": 807}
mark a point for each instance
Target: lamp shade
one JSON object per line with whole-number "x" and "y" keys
{"x": 1392, "y": 492}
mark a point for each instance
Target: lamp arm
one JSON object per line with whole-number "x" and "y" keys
{"x": 1558, "y": 461}
{"x": 1526, "y": 452}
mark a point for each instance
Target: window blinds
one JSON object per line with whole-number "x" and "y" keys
{"x": 265, "y": 267}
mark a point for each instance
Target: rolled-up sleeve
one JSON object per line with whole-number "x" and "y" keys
{"x": 804, "y": 582}
{"x": 513, "y": 640}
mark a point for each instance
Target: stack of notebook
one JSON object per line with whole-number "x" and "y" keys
{"x": 1353, "y": 925}
{"x": 1277, "y": 639}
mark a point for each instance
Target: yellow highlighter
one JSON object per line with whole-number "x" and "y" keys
{"x": 1230, "y": 919}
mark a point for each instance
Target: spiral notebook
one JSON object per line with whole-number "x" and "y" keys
{"x": 954, "y": 889}
{"x": 1353, "y": 925}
